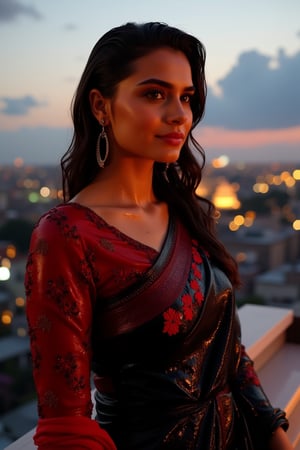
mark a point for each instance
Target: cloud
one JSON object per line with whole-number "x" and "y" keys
{"x": 256, "y": 94}
{"x": 11, "y": 9}
{"x": 19, "y": 106}
{"x": 70, "y": 27}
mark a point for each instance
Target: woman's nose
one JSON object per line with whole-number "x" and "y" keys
{"x": 177, "y": 112}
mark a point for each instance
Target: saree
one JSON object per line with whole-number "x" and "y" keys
{"x": 170, "y": 368}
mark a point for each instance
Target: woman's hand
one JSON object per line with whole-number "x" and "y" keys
{"x": 280, "y": 441}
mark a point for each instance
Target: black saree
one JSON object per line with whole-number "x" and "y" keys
{"x": 175, "y": 386}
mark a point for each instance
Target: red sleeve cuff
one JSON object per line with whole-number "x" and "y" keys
{"x": 74, "y": 433}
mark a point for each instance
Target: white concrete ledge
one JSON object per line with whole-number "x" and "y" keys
{"x": 263, "y": 325}
{"x": 23, "y": 443}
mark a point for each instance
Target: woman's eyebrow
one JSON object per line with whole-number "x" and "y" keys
{"x": 165, "y": 84}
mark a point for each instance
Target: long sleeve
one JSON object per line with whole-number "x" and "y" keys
{"x": 60, "y": 295}
{"x": 254, "y": 399}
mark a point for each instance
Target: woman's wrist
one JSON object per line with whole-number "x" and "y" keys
{"x": 280, "y": 440}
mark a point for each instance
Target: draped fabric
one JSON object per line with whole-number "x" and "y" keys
{"x": 159, "y": 330}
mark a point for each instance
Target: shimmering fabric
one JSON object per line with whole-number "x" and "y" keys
{"x": 172, "y": 380}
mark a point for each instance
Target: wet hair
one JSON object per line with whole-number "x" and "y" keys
{"x": 111, "y": 61}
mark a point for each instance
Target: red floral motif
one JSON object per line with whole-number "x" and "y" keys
{"x": 42, "y": 247}
{"x": 29, "y": 278}
{"x": 107, "y": 244}
{"x": 199, "y": 297}
{"x": 195, "y": 285}
{"x": 48, "y": 400}
{"x": 36, "y": 358}
{"x": 44, "y": 323}
{"x": 196, "y": 271}
{"x": 196, "y": 256}
{"x": 58, "y": 290}
{"x": 85, "y": 271}
{"x": 61, "y": 220}
{"x": 187, "y": 306}
{"x": 250, "y": 375}
{"x": 172, "y": 321}
{"x": 67, "y": 365}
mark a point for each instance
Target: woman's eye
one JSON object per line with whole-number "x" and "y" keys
{"x": 186, "y": 98}
{"x": 154, "y": 94}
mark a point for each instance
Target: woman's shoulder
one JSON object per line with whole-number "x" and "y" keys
{"x": 70, "y": 212}
{"x": 65, "y": 219}
{"x": 63, "y": 212}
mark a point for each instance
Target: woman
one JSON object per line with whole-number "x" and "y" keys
{"x": 127, "y": 278}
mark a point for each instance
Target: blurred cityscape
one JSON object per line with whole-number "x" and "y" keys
{"x": 259, "y": 223}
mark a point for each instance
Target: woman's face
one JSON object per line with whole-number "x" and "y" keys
{"x": 150, "y": 115}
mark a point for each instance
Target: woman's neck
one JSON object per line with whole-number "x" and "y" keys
{"x": 129, "y": 186}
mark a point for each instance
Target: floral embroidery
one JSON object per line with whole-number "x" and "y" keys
{"x": 199, "y": 297}
{"x": 100, "y": 223}
{"x": 85, "y": 270}
{"x": 88, "y": 267}
{"x": 172, "y": 321}
{"x": 61, "y": 220}
{"x": 194, "y": 285}
{"x": 59, "y": 292}
{"x": 125, "y": 276}
{"x": 196, "y": 256}
{"x": 42, "y": 247}
{"x": 191, "y": 300}
{"x": 107, "y": 244}
{"x": 196, "y": 271}
{"x": 67, "y": 365}
{"x": 250, "y": 375}
{"x": 43, "y": 323}
{"x": 29, "y": 278}
{"x": 187, "y": 306}
{"x": 36, "y": 357}
{"x": 49, "y": 399}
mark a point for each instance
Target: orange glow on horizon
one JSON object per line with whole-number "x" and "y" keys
{"x": 224, "y": 138}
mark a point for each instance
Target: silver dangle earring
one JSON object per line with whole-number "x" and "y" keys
{"x": 102, "y": 147}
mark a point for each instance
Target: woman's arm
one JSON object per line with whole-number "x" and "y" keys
{"x": 59, "y": 290}
{"x": 262, "y": 418}
{"x": 280, "y": 441}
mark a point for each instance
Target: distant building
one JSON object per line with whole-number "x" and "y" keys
{"x": 14, "y": 360}
{"x": 266, "y": 248}
{"x": 280, "y": 286}
{"x": 260, "y": 249}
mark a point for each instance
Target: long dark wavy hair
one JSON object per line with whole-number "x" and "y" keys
{"x": 110, "y": 62}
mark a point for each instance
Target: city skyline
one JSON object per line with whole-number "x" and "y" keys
{"x": 253, "y": 66}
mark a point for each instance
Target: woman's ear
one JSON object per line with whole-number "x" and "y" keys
{"x": 98, "y": 105}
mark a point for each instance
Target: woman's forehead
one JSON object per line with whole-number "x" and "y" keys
{"x": 163, "y": 63}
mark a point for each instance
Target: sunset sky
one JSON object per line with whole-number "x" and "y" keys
{"x": 253, "y": 71}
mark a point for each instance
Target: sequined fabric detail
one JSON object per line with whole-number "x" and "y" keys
{"x": 186, "y": 374}
{"x": 183, "y": 436}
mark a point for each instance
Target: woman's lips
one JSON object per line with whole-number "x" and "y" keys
{"x": 172, "y": 138}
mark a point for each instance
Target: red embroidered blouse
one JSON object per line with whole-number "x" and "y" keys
{"x": 73, "y": 254}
